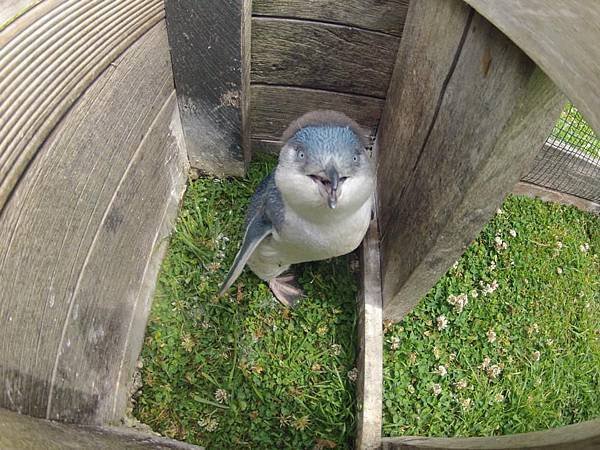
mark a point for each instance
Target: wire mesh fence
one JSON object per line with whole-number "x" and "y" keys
{"x": 569, "y": 160}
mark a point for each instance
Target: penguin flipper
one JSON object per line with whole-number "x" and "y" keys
{"x": 259, "y": 227}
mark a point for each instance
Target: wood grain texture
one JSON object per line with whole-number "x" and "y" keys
{"x": 581, "y": 436}
{"x": 369, "y": 385}
{"x": 52, "y": 59}
{"x": 466, "y": 113}
{"x": 18, "y": 432}
{"x": 10, "y": 10}
{"x": 550, "y": 195}
{"x": 210, "y": 50}
{"x": 80, "y": 239}
{"x": 321, "y": 56}
{"x": 562, "y": 38}
{"x": 274, "y": 107}
{"x": 386, "y": 16}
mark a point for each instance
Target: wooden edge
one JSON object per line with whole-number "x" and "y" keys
{"x": 370, "y": 358}
{"x": 24, "y": 432}
{"x": 580, "y": 436}
{"x": 550, "y": 195}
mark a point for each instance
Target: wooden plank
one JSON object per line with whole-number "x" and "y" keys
{"x": 10, "y": 10}
{"x": 466, "y": 113}
{"x": 23, "y": 432}
{"x": 47, "y": 62}
{"x": 332, "y": 57}
{"x": 386, "y": 16}
{"x": 550, "y": 195}
{"x": 581, "y": 436}
{"x": 562, "y": 38}
{"x": 274, "y": 107}
{"x": 210, "y": 50}
{"x": 80, "y": 243}
{"x": 561, "y": 167}
{"x": 369, "y": 385}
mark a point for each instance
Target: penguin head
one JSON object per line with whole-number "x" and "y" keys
{"x": 324, "y": 163}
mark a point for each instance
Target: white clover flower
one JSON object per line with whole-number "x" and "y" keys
{"x": 499, "y": 212}
{"x": 584, "y": 248}
{"x": 536, "y": 355}
{"x": 559, "y": 270}
{"x": 336, "y": 349}
{"x": 461, "y": 384}
{"x": 436, "y": 388}
{"x": 494, "y": 371}
{"x": 513, "y": 233}
{"x": 410, "y": 388}
{"x": 490, "y": 288}
{"x": 559, "y": 244}
{"x": 221, "y": 395}
{"x": 474, "y": 293}
{"x": 209, "y": 423}
{"x": 442, "y": 322}
{"x": 492, "y": 265}
{"x": 499, "y": 398}
{"x": 353, "y": 374}
{"x": 491, "y": 336}
{"x": 486, "y": 362}
{"x": 441, "y": 371}
{"x": 458, "y": 301}
{"x": 394, "y": 342}
{"x": 465, "y": 403}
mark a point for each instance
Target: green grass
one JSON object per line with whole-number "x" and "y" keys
{"x": 241, "y": 371}
{"x": 539, "y": 330}
{"x": 572, "y": 128}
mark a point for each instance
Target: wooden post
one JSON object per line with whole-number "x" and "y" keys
{"x": 465, "y": 114}
{"x": 580, "y": 436}
{"x": 210, "y": 52}
{"x": 562, "y": 38}
{"x": 370, "y": 350}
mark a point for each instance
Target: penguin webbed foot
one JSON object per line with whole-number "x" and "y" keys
{"x": 286, "y": 289}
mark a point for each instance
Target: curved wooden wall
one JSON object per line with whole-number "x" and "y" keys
{"x": 91, "y": 174}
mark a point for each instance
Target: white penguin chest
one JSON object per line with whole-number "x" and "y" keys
{"x": 301, "y": 240}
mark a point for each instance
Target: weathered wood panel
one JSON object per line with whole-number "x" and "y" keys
{"x": 465, "y": 115}
{"x": 80, "y": 242}
{"x": 562, "y": 38}
{"x": 47, "y": 62}
{"x": 321, "y": 56}
{"x": 18, "y": 432}
{"x": 12, "y": 9}
{"x": 550, "y": 195}
{"x": 581, "y": 436}
{"x": 564, "y": 168}
{"x": 274, "y": 107}
{"x": 386, "y": 16}
{"x": 369, "y": 385}
{"x": 210, "y": 49}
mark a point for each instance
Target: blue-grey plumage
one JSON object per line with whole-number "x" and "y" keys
{"x": 315, "y": 205}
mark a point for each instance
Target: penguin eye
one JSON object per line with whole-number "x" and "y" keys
{"x": 300, "y": 154}
{"x": 355, "y": 158}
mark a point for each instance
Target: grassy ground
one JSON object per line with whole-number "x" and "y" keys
{"x": 519, "y": 352}
{"x": 573, "y": 129}
{"x": 508, "y": 340}
{"x": 241, "y": 371}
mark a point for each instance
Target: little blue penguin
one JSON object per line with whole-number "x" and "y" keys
{"x": 315, "y": 205}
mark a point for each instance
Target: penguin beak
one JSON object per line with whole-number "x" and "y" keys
{"x": 334, "y": 179}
